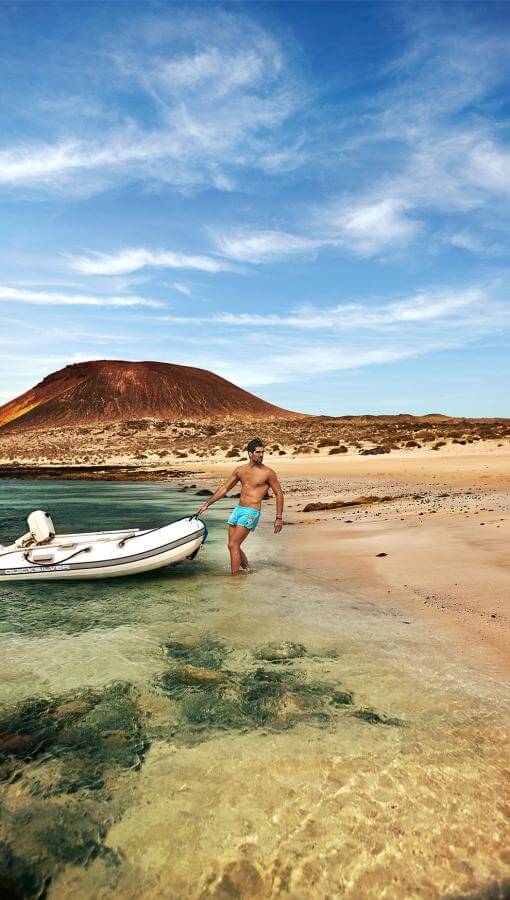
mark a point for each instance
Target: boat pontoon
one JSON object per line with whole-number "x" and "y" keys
{"x": 43, "y": 554}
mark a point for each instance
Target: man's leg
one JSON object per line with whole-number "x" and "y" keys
{"x": 236, "y": 535}
{"x": 244, "y": 559}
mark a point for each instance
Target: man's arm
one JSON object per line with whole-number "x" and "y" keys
{"x": 277, "y": 490}
{"x": 224, "y": 489}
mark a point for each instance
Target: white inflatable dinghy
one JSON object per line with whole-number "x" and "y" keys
{"x": 42, "y": 554}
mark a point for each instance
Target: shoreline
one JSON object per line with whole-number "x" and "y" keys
{"x": 444, "y": 531}
{"x": 91, "y": 473}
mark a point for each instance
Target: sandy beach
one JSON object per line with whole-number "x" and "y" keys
{"x": 444, "y": 535}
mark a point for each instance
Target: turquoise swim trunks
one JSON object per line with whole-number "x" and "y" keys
{"x": 245, "y": 515}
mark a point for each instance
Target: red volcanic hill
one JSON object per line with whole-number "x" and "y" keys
{"x": 112, "y": 390}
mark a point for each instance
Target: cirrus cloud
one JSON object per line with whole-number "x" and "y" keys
{"x": 55, "y": 298}
{"x": 132, "y": 259}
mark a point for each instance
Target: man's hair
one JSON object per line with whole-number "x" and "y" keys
{"x": 253, "y": 444}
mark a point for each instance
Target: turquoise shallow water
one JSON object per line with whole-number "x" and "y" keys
{"x": 183, "y": 734}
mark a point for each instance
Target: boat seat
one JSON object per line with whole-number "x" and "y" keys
{"x": 41, "y": 527}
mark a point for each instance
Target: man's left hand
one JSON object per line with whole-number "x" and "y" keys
{"x": 278, "y": 525}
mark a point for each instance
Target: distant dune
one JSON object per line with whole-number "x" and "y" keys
{"x": 102, "y": 391}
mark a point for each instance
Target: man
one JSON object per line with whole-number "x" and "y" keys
{"x": 255, "y": 479}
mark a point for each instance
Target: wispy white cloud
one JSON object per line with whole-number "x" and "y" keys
{"x": 488, "y": 166}
{"x": 304, "y": 361}
{"x": 437, "y": 130}
{"x": 311, "y": 340}
{"x": 182, "y": 289}
{"x": 373, "y": 226}
{"x": 132, "y": 259}
{"x": 366, "y": 228}
{"x": 422, "y": 307}
{"x": 480, "y": 245}
{"x": 263, "y": 246}
{"x": 219, "y": 89}
{"x": 53, "y": 298}
{"x": 42, "y": 282}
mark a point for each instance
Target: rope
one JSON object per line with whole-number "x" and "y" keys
{"x": 140, "y": 534}
{"x": 157, "y": 528}
{"x": 54, "y": 563}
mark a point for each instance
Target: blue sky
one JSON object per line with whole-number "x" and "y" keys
{"x": 312, "y": 200}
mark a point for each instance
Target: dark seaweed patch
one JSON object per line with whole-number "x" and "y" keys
{"x": 89, "y": 730}
{"x": 17, "y": 877}
{"x": 215, "y": 699}
{"x": 210, "y": 698}
{"x": 60, "y": 835}
{"x": 77, "y": 741}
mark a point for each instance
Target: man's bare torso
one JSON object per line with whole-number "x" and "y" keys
{"x": 255, "y": 481}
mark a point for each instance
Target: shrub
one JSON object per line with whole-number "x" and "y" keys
{"x": 327, "y": 442}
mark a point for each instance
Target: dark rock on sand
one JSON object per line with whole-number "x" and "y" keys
{"x": 374, "y": 451}
{"x": 344, "y": 504}
{"x": 374, "y": 718}
{"x": 342, "y": 698}
{"x": 204, "y": 492}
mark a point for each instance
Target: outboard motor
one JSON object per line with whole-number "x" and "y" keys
{"x": 41, "y": 527}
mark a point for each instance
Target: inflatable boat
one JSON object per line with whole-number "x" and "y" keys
{"x": 43, "y": 554}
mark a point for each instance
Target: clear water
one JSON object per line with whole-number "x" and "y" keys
{"x": 185, "y": 734}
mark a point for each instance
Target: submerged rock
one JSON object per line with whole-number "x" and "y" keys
{"x": 192, "y": 675}
{"x": 205, "y": 654}
{"x": 276, "y": 651}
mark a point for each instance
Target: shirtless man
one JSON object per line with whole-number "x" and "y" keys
{"x": 255, "y": 479}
